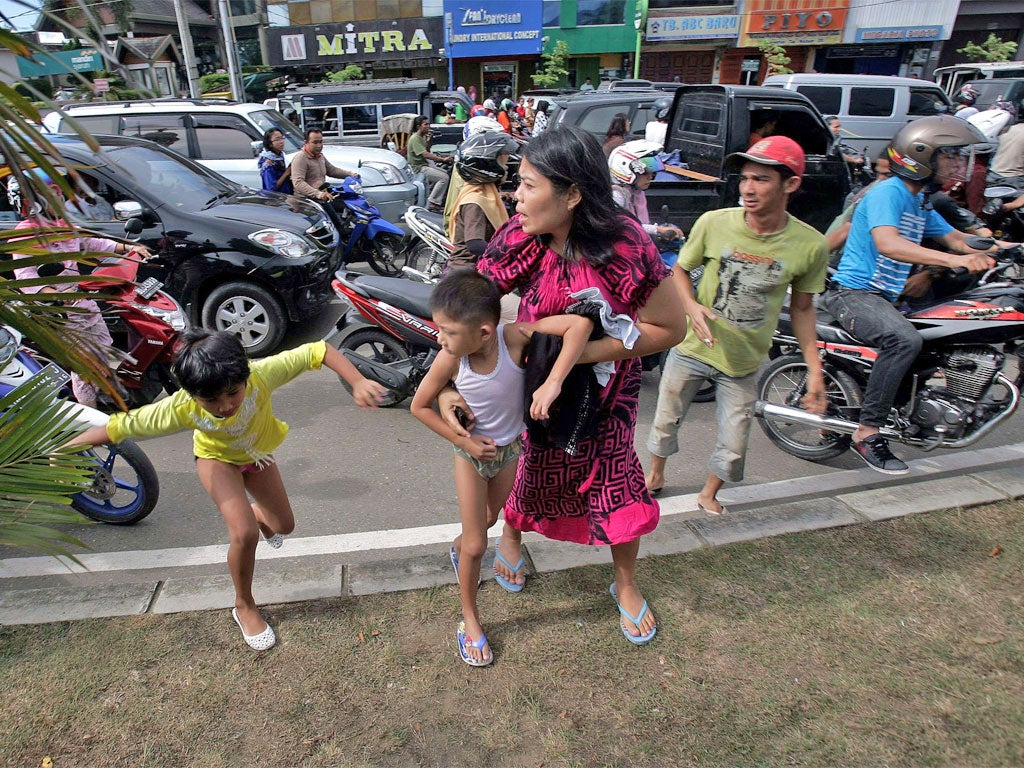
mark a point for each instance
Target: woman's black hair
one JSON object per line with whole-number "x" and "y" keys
{"x": 566, "y": 156}
{"x": 467, "y": 297}
{"x": 266, "y": 138}
{"x": 617, "y": 127}
{"x": 541, "y": 106}
{"x": 209, "y": 364}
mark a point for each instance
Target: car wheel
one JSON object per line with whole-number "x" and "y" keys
{"x": 250, "y": 312}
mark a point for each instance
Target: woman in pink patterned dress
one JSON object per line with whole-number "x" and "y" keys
{"x": 568, "y": 235}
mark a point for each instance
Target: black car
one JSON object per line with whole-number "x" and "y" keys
{"x": 593, "y": 111}
{"x": 238, "y": 260}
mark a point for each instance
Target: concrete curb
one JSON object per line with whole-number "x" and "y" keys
{"x": 756, "y": 511}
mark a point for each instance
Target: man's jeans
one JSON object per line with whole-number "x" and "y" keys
{"x": 872, "y": 319}
{"x": 681, "y": 377}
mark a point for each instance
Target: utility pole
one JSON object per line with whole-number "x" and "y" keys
{"x": 187, "y": 50}
{"x": 230, "y": 46}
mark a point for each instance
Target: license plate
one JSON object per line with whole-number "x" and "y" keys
{"x": 50, "y": 378}
{"x": 148, "y": 288}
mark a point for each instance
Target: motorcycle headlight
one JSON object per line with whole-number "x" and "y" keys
{"x": 173, "y": 317}
{"x": 356, "y": 187}
{"x": 391, "y": 174}
{"x": 283, "y": 243}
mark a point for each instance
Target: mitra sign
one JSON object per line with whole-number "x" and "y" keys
{"x": 355, "y": 42}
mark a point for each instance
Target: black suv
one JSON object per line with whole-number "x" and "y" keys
{"x": 237, "y": 259}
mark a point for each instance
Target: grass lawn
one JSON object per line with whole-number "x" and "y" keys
{"x": 885, "y": 644}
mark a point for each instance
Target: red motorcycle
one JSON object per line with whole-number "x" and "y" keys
{"x": 145, "y": 324}
{"x": 400, "y": 343}
{"x": 956, "y": 392}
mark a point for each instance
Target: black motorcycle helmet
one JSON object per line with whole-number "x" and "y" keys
{"x": 477, "y": 157}
{"x": 661, "y": 108}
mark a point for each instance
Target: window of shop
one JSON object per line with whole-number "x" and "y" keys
{"x": 669, "y": 4}
{"x": 552, "y": 11}
{"x": 872, "y": 102}
{"x": 594, "y": 12}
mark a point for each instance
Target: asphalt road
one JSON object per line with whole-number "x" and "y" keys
{"x": 349, "y": 470}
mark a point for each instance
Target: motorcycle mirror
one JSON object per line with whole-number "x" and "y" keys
{"x": 980, "y": 243}
{"x": 133, "y": 227}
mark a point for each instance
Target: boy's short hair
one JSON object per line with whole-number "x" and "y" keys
{"x": 208, "y": 364}
{"x": 468, "y": 297}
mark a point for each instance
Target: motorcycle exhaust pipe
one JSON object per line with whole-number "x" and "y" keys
{"x": 764, "y": 410}
{"x": 418, "y": 275}
{"x": 382, "y": 374}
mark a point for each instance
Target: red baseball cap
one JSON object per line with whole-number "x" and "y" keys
{"x": 772, "y": 150}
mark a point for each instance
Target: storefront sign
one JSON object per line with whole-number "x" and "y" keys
{"x": 800, "y": 26}
{"x": 900, "y": 34}
{"x": 683, "y": 28}
{"x": 60, "y": 63}
{"x": 493, "y": 27}
{"x": 343, "y": 44}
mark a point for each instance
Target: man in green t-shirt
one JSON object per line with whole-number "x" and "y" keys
{"x": 751, "y": 255}
{"x": 420, "y": 158}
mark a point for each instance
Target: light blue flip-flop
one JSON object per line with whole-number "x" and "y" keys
{"x": 634, "y": 639}
{"x": 508, "y": 586}
{"x": 461, "y": 637}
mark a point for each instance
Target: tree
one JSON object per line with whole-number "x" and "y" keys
{"x": 993, "y": 49}
{"x": 553, "y": 70}
{"x": 775, "y": 55}
{"x": 351, "y": 72}
{"x": 37, "y": 479}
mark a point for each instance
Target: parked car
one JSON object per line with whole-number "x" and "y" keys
{"x": 237, "y": 259}
{"x": 226, "y": 138}
{"x": 871, "y": 108}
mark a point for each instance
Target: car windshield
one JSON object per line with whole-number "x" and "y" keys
{"x": 271, "y": 118}
{"x": 175, "y": 180}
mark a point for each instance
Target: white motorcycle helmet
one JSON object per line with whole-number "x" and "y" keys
{"x": 24, "y": 205}
{"x": 480, "y": 124}
{"x": 629, "y": 160}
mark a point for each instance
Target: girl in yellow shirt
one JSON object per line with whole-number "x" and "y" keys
{"x": 225, "y": 400}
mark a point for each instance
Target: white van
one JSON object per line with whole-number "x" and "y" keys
{"x": 871, "y": 108}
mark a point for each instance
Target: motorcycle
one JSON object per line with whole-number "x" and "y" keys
{"x": 401, "y": 344}
{"x": 956, "y": 392}
{"x": 145, "y": 324}
{"x": 124, "y": 486}
{"x": 429, "y": 247}
{"x": 365, "y": 235}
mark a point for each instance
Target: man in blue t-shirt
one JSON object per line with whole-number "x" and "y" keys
{"x": 884, "y": 242}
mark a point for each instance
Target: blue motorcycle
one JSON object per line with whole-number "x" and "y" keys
{"x": 124, "y": 487}
{"x": 365, "y": 236}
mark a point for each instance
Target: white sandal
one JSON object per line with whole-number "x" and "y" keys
{"x": 275, "y": 541}
{"x": 263, "y": 641}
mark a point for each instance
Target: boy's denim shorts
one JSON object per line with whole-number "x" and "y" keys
{"x": 489, "y": 469}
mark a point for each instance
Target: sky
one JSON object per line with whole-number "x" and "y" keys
{"x": 18, "y": 11}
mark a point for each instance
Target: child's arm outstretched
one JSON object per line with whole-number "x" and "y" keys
{"x": 366, "y": 393}
{"x": 442, "y": 371}
{"x": 92, "y": 436}
{"x": 575, "y": 331}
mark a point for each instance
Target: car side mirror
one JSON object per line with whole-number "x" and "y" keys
{"x": 257, "y": 147}
{"x": 127, "y": 210}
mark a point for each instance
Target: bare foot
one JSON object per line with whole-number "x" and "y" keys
{"x": 632, "y": 600}
{"x": 510, "y": 547}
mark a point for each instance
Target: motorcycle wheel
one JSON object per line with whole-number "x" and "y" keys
{"x": 784, "y": 382}
{"x": 384, "y": 258}
{"x": 124, "y": 488}
{"x": 421, "y": 258}
{"x": 380, "y": 347}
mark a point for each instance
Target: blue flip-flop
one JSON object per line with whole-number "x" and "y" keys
{"x": 455, "y": 564}
{"x": 461, "y": 637}
{"x": 634, "y": 639}
{"x": 508, "y": 586}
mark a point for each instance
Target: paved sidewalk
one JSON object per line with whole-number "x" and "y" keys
{"x": 36, "y": 590}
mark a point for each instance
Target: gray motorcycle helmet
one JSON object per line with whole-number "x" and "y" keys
{"x": 476, "y": 159}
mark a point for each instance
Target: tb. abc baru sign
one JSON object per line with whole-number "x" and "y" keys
{"x": 493, "y": 28}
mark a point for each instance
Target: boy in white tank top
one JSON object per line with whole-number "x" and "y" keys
{"x": 485, "y": 359}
